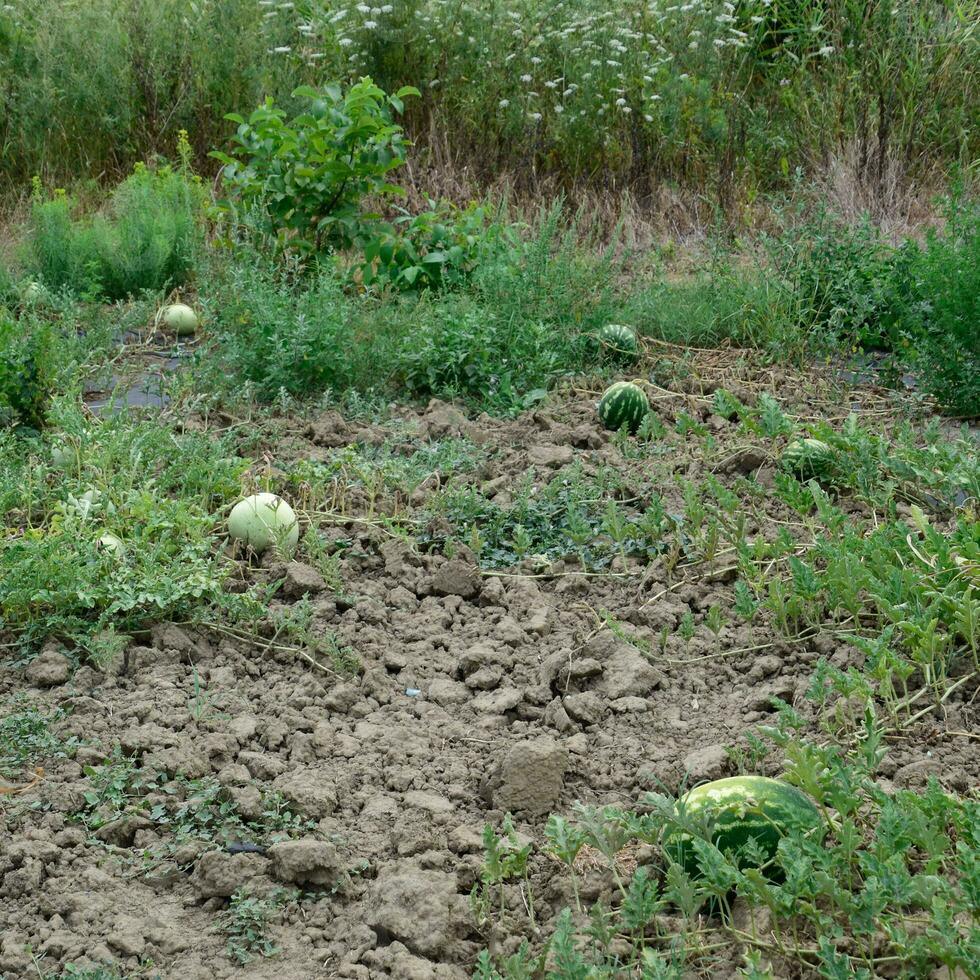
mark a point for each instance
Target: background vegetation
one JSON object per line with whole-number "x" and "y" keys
{"x": 707, "y": 98}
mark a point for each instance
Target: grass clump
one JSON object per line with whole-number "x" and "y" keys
{"x": 145, "y": 240}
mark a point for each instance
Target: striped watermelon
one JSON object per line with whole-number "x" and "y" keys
{"x": 624, "y": 403}
{"x": 808, "y": 459}
{"x": 742, "y": 808}
{"x": 619, "y": 342}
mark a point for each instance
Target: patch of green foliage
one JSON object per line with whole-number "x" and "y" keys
{"x": 571, "y": 517}
{"x": 941, "y": 311}
{"x": 155, "y": 490}
{"x": 245, "y": 922}
{"x": 181, "y": 809}
{"x": 27, "y": 738}
{"x": 523, "y": 321}
{"x": 29, "y": 353}
{"x": 146, "y": 239}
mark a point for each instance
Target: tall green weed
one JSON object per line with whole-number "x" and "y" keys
{"x": 145, "y": 240}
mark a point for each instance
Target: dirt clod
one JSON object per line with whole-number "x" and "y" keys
{"x": 305, "y": 862}
{"x": 49, "y": 669}
{"x": 530, "y": 777}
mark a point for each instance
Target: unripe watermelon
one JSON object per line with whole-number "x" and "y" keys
{"x": 808, "y": 459}
{"x": 111, "y": 544}
{"x": 263, "y": 520}
{"x": 624, "y": 403}
{"x": 744, "y": 808}
{"x": 181, "y": 319}
{"x": 619, "y": 342}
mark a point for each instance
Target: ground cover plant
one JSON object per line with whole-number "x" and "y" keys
{"x": 401, "y": 586}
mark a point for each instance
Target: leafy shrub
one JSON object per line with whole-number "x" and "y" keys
{"x": 310, "y": 175}
{"x": 438, "y": 248}
{"x": 27, "y": 371}
{"x": 146, "y": 239}
{"x": 467, "y": 350}
{"x": 941, "y": 312}
{"x": 842, "y": 278}
{"x": 279, "y": 333}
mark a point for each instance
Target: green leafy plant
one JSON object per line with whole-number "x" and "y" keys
{"x": 310, "y": 175}
{"x": 436, "y": 249}
{"x": 146, "y": 239}
{"x": 505, "y": 859}
{"x": 245, "y": 923}
{"x": 942, "y": 308}
{"x": 28, "y": 367}
{"x": 27, "y": 737}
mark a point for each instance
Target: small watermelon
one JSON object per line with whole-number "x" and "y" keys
{"x": 619, "y": 342}
{"x": 624, "y": 403}
{"x": 181, "y": 319}
{"x": 112, "y": 545}
{"x": 263, "y": 520}
{"x": 808, "y": 459}
{"x": 744, "y": 808}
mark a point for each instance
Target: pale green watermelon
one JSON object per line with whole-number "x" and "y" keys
{"x": 181, "y": 319}
{"x": 619, "y": 342}
{"x": 624, "y": 403}
{"x": 262, "y": 520}
{"x": 744, "y": 808}
{"x": 809, "y": 459}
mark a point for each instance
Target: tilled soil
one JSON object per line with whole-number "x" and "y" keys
{"x": 481, "y": 691}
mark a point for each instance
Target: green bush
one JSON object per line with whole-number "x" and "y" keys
{"x": 145, "y": 240}
{"x": 468, "y": 350}
{"x": 311, "y": 175}
{"x": 843, "y": 277}
{"x": 27, "y": 371}
{"x": 941, "y": 312}
{"x": 280, "y": 333}
{"x": 437, "y": 249}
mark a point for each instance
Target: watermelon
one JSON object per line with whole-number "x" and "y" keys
{"x": 624, "y": 403}
{"x": 111, "y": 544}
{"x": 262, "y": 520}
{"x": 808, "y": 459}
{"x": 744, "y": 808}
{"x": 619, "y": 342}
{"x": 181, "y": 319}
